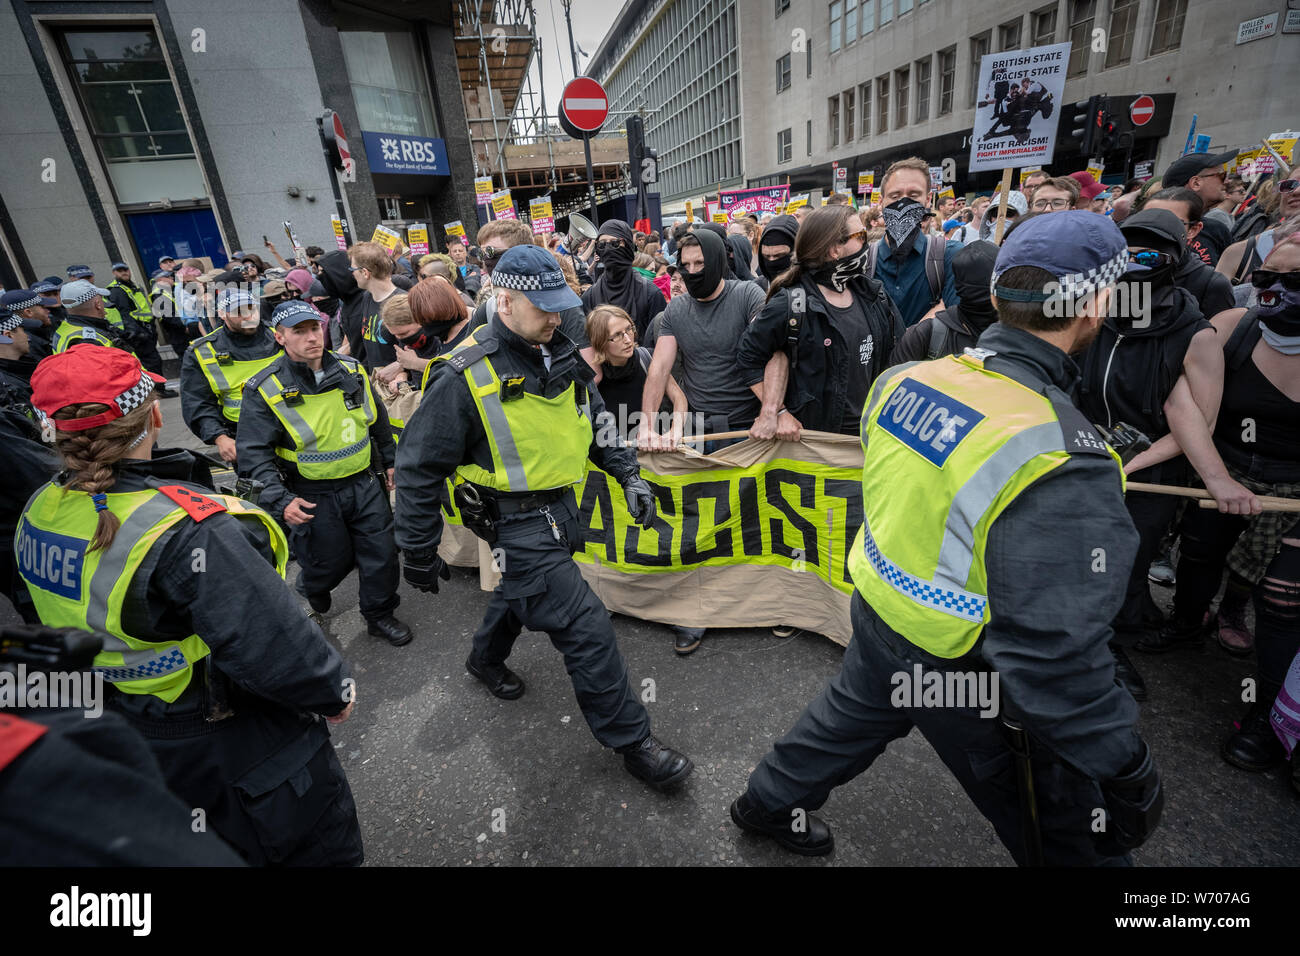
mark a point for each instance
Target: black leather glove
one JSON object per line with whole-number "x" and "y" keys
{"x": 640, "y": 501}
{"x": 422, "y": 569}
{"x": 1135, "y": 802}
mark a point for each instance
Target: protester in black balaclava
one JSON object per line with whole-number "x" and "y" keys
{"x": 776, "y": 246}
{"x": 952, "y": 331}
{"x": 619, "y": 284}
{"x": 704, "y": 283}
{"x": 739, "y": 254}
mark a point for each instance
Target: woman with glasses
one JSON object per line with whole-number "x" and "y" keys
{"x": 843, "y": 325}
{"x": 621, "y": 367}
{"x": 1273, "y": 204}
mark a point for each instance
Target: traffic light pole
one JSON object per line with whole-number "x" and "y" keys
{"x": 334, "y": 181}
{"x": 591, "y": 181}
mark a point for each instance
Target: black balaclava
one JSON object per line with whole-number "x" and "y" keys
{"x": 702, "y": 284}
{"x": 1161, "y": 230}
{"x": 903, "y": 223}
{"x": 617, "y": 284}
{"x": 740, "y": 252}
{"x": 780, "y": 231}
{"x": 972, "y": 272}
{"x": 721, "y": 232}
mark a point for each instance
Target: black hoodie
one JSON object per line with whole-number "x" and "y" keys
{"x": 619, "y": 284}
{"x": 336, "y": 278}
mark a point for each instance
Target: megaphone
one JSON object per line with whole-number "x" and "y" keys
{"x": 581, "y": 229}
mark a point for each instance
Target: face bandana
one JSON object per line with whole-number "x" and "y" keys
{"x": 903, "y": 222}
{"x": 1278, "y": 309}
{"x": 771, "y": 268}
{"x": 837, "y": 272}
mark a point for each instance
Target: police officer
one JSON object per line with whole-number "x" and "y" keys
{"x": 509, "y": 412}
{"x": 227, "y": 691}
{"x": 987, "y": 575}
{"x": 86, "y": 318}
{"x": 215, "y": 368}
{"x": 131, "y": 303}
{"x": 111, "y": 314}
{"x": 312, "y": 431}
{"x": 32, "y": 307}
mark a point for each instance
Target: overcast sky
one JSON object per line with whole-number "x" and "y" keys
{"x": 591, "y": 18}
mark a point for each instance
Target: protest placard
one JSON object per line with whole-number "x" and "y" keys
{"x": 1018, "y": 93}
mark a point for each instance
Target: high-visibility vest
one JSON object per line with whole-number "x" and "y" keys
{"x": 227, "y": 375}
{"x": 948, "y": 445}
{"x": 70, "y": 332}
{"x": 330, "y": 440}
{"x": 143, "y": 311}
{"x": 72, "y": 586}
{"x": 164, "y": 304}
{"x": 537, "y": 443}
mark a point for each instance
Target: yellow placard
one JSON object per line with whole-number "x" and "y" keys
{"x": 483, "y": 186}
{"x": 866, "y": 181}
{"x": 690, "y": 212}
{"x": 503, "y": 205}
{"x": 947, "y": 193}
{"x": 454, "y": 229}
{"x": 1027, "y": 172}
{"x": 417, "y": 237}
{"x": 540, "y": 208}
{"x": 875, "y": 197}
{"x": 720, "y": 217}
{"x": 1095, "y": 172}
{"x": 796, "y": 202}
{"x": 386, "y": 238}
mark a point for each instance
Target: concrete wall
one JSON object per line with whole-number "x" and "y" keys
{"x": 1239, "y": 92}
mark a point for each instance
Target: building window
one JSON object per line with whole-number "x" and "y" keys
{"x": 1123, "y": 21}
{"x": 833, "y": 123}
{"x": 886, "y": 11}
{"x": 837, "y": 24}
{"x": 783, "y": 73}
{"x": 882, "y": 104}
{"x": 979, "y": 48}
{"x": 947, "y": 79}
{"x": 1009, "y": 36}
{"x": 133, "y": 114}
{"x": 1082, "y": 15}
{"x": 850, "y": 21}
{"x": 784, "y": 146}
{"x": 904, "y": 6}
{"x": 901, "y": 90}
{"x": 386, "y": 72}
{"x": 864, "y": 110}
{"x": 923, "y": 90}
{"x": 849, "y": 115}
{"x": 782, "y": 6}
{"x": 1043, "y": 23}
{"x": 810, "y": 137}
{"x": 868, "y": 16}
{"x": 1167, "y": 33}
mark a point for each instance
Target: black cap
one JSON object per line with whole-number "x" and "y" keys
{"x": 1182, "y": 169}
{"x": 1156, "y": 228}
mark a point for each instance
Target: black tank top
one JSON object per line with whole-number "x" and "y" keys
{"x": 1258, "y": 429}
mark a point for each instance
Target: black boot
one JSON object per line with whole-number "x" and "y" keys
{"x": 390, "y": 629}
{"x": 1254, "y": 746}
{"x": 1176, "y": 633}
{"x": 1126, "y": 675}
{"x": 813, "y": 838}
{"x": 687, "y": 639}
{"x": 659, "y": 766}
{"x": 500, "y": 680}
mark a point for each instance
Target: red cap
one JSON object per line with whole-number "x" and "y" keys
{"x": 91, "y": 374}
{"x": 1089, "y": 188}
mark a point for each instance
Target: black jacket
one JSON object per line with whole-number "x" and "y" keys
{"x": 336, "y": 280}
{"x": 199, "y": 404}
{"x": 446, "y": 430}
{"x": 260, "y": 432}
{"x": 1211, "y": 290}
{"x": 1050, "y": 611}
{"x": 811, "y": 394}
{"x": 955, "y": 337}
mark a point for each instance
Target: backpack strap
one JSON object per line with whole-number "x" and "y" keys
{"x": 936, "y": 248}
{"x": 798, "y": 300}
{"x": 643, "y": 356}
{"x": 938, "y": 337}
{"x": 1242, "y": 341}
{"x": 872, "y": 249}
{"x": 1247, "y": 262}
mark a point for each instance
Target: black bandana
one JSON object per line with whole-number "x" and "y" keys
{"x": 902, "y": 223}
{"x": 837, "y": 272}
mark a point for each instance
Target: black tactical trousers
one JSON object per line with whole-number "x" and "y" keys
{"x": 542, "y": 589}
{"x": 352, "y": 527}
{"x": 851, "y": 722}
{"x": 1152, "y": 515}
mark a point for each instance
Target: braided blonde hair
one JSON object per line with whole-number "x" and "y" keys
{"x": 92, "y": 456}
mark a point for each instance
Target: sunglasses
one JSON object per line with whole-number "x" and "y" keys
{"x": 860, "y": 234}
{"x": 1266, "y": 278}
{"x": 492, "y": 253}
{"x": 1150, "y": 258}
{"x": 1286, "y": 185}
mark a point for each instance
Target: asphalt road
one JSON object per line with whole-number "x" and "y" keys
{"x": 446, "y": 774}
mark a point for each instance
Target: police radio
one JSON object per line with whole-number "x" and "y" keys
{"x": 48, "y": 648}
{"x": 1128, "y": 442}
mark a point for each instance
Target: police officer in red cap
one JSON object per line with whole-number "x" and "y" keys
{"x": 229, "y": 693}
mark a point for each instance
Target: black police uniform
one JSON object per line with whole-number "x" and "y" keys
{"x": 352, "y": 524}
{"x": 541, "y": 587}
{"x": 200, "y": 406}
{"x": 143, "y": 336}
{"x": 1046, "y": 641}
{"x": 266, "y": 777}
{"x": 29, "y": 463}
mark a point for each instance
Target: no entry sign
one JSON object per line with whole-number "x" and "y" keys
{"x": 584, "y": 107}
{"x": 1141, "y": 110}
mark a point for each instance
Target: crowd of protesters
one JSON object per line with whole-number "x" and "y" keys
{"x": 774, "y": 325}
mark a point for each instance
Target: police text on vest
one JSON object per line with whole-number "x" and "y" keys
{"x": 926, "y": 420}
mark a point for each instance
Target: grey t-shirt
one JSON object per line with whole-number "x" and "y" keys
{"x": 708, "y": 340}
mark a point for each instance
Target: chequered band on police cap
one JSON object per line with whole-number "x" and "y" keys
{"x": 25, "y": 303}
{"x": 542, "y": 282}
{"x": 11, "y": 320}
{"x": 234, "y": 299}
{"x": 83, "y": 297}
{"x": 137, "y": 394}
{"x": 1078, "y": 285}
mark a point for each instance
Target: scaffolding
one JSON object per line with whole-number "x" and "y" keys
{"x": 514, "y": 138}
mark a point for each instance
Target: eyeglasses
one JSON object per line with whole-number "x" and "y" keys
{"x": 1266, "y": 278}
{"x": 860, "y": 234}
{"x": 1286, "y": 185}
{"x": 1042, "y": 205}
{"x": 627, "y": 335}
{"x": 356, "y": 268}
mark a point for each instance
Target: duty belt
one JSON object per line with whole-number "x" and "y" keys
{"x": 508, "y": 504}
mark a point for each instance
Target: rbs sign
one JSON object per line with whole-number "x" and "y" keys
{"x": 406, "y": 155}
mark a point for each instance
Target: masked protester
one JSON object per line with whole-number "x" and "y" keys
{"x": 1257, "y": 433}
{"x": 1154, "y": 366}
{"x": 619, "y": 284}
{"x": 426, "y": 322}
{"x": 952, "y": 331}
{"x": 843, "y": 324}
{"x": 776, "y": 246}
